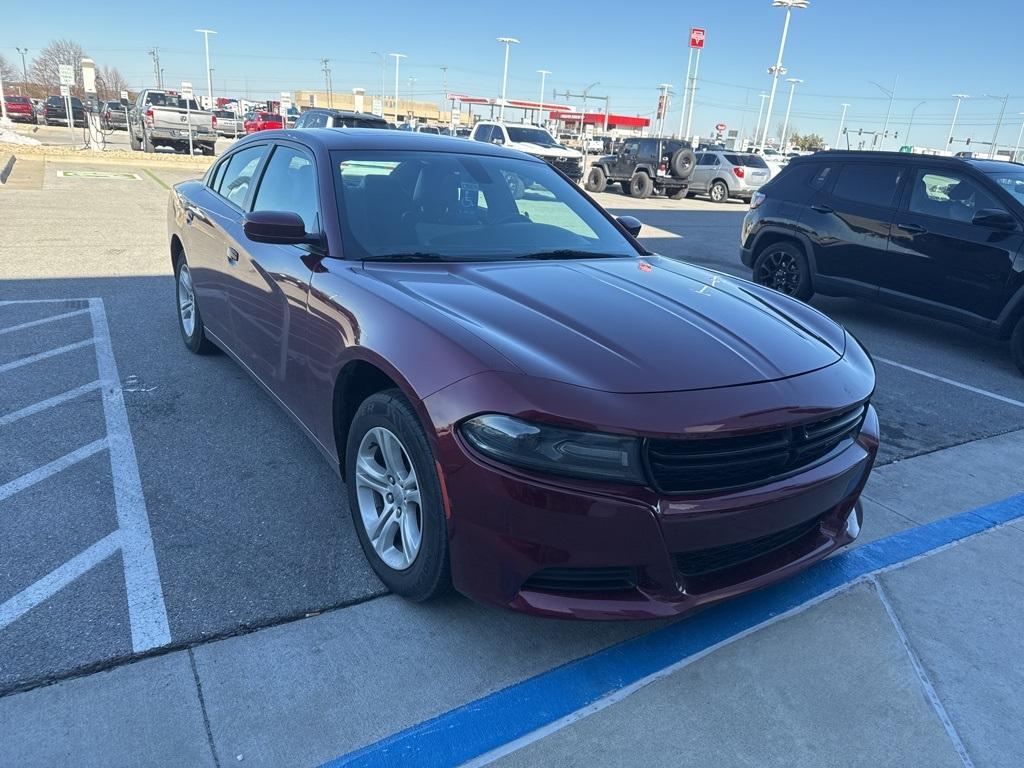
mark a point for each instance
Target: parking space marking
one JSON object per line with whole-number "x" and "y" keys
{"x": 50, "y": 402}
{"x": 43, "y": 321}
{"x": 44, "y": 355}
{"x": 951, "y": 382}
{"x": 56, "y": 580}
{"x": 19, "y": 484}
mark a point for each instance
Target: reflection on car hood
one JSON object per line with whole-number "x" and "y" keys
{"x": 625, "y": 325}
{"x": 539, "y": 150}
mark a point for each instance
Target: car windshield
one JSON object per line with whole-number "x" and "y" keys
{"x": 414, "y": 206}
{"x": 1011, "y": 181}
{"x": 531, "y": 135}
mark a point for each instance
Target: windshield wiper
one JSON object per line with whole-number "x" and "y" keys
{"x": 569, "y": 253}
{"x": 412, "y": 256}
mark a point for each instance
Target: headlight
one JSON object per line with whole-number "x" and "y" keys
{"x": 591, "y": 455}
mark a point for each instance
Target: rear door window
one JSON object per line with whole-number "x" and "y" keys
{"x": 237, "y": 178}
{"x": 868, "y": 183}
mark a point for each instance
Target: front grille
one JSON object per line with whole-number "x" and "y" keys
{"x": 728, "y": 463}
{"x": 567, "y": 165}
{"x": 607, "y": 579}
{"x": 705, "y": 561}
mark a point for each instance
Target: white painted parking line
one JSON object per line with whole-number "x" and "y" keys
{"x": 44, "y": 355}
{"x": 146, "y": 609}
{"x": 951, "y": 382}
{"x": 50, "y": 402}
{"x": 8, "y": 302}
{"x": 57, "y": 579}
{"x": 33, "y": 323}
{"x": 19, "y": 484}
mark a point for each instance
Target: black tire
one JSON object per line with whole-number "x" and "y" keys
{"x": 783, "y": 267}
{"x": 196, "y": 341}
{"x": 1017, "y": 345}
{"x": 681, "y": 163}
{"x": 429, "y": 573}
{"x": 624, "y": 185}
{"x": 597, "y": 180}
{"x": 135, "y": 143}
{"x": 679, "y": 194}
{"x": 719, "y": 192}
{"x": 147, "y": 145}
{"x": 641, "y": 185}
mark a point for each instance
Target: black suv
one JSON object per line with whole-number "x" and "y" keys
{"x": 941, "y": 236}
{"x": 644, "y": 166}
{"x": 56, "y": 111}
{"x": 339, "y": 118}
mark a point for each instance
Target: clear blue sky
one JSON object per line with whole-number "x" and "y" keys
{"x": 836, "y": 46}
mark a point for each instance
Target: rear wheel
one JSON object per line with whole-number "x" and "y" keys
{"x": 783, "y": 267}
{"x": 718, "y": 193}
{"x": 395, "y": 497}
{"x": 597, "y": 180}
{"x": 135, "y": 143}
{"x": 1017, "y": 345}
{"x": 640, "y": 186}
{"x": 190, "y": 322}
{"x": 147, "y": 145}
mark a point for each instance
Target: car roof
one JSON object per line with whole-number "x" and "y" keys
{"x": 986, "y": 166}
{"x": 328, "y": 139}
{"x": 345, "y": 113}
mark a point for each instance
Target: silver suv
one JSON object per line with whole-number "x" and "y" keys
{"x": 721, "y": 175}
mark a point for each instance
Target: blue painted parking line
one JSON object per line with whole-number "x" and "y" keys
{"x": 487, "y": 726}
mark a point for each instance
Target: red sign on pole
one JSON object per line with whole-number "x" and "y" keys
{"x": 697, "y": 37}
{"x": 720, "y": 127}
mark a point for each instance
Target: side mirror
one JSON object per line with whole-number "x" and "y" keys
{"x": 278, "y": 227}
{"x": 994, "y": 218}
{"x": 497, "y": 140}
{"x": 631, "y": 224}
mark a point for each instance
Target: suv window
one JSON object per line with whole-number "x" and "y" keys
{"x": 948, "y": 195}
{"x": 289, "y": 184}
{"x": 868, "y": 183}
{"x": 631, "y": 148}
{"x": 483, "y": 133}
{"x": 234, "y": 183}
{"x": 708, "y": 159}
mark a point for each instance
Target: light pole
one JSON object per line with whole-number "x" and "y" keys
{"x": 508, "y": 42}
{"x": 959, "y": 97}
{"x": 398, "y": 60}
{"x": 540, "y": 109}
{"x": 842, "y": 122}
{"x": 209, "y": 80}
{"x": 793, "y": 81}
{"x": 999, "y": 123}
{"x": 760, "y": 111}
{"x": 412, "y": 97}
{"x": 383, "y": 66}
{"x": 24, "y": 69}
{"x": 693, "y": 94}
{"x": 911, "y": 123}
{"x": 778, "y": 69}
{"x": 888, "y": 113}
{"x": 1020, "y": 133}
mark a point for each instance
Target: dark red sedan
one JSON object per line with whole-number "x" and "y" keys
{"x": 520, "y": 398}
{"x": 262, "y": 121}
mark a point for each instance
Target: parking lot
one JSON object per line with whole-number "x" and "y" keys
{"x": 150, "y": 499}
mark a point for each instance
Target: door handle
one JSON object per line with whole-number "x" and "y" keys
{"x": 915, "y": 229}
{"x": 822, "y": 209}
{"x": 232, "y": 255}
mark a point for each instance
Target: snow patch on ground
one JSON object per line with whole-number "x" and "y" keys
{"x": 10, "y": 137}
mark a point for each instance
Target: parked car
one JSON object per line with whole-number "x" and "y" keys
{"x": 939, "y": 236}
{"x": 262, "y": 121}
{"x": 339, "y": 118}
{"x": 508, "y": 386}
{"x": 228, "y": 123}
{"x": 56, "y": 111}
{"x": 643, "y": 167}
{"x": 724, "y": 175}
{"x": 19, "y": 109}
{"x": 533, "y": 140}
{"x": 164, "y": 119}
{"x": 114, "y": 115}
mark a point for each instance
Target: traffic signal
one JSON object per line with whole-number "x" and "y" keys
{"x": 968, "y": 141}
{"x": 860, "y": 131}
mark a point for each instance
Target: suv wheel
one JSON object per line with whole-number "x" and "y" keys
{"x": 718, "y": 193}
{"x": 641, "y": 185}
{"x": 783, "y": 267}
{"x": 1017, "y": 345}
{"x": 597, "y": 180}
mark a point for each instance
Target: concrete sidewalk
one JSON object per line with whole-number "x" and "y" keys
{"x": 914, "y": 666}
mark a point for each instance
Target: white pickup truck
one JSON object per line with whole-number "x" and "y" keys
{"x": 164, "y": 119}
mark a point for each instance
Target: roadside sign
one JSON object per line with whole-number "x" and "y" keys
{"x": 124, "y": 95}
{"x": 67, "y": 74}
{"x": 906, "y": 148}
{"x": 697, "y": 37}
{"x": 286, "y": 101}
{"x": 65, "y": 91}
{"x": 721, "y": 127}
{"x": 186, "y": 89}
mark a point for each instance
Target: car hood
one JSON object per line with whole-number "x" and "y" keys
{"x": 538, "y": 150}
{"x": 624, "y": 325}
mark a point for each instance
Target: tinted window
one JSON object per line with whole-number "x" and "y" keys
{"x": 869, "y": 183}
{"x": 429, "y": 129}
{"x": 289, "y": 184}
{"x": 820, "y": 178}
{"x": 707, "y": 159}
{"x": 631, "y": 147}
{"x": 948, "y": 195}
{"x": 748, "y": 161}
{"x": 365, "y": 122}
{"x": 235, "y": 182}
{"x": 483, "y": 133}
{"x": 791, "y": 183}
{"x": 1010, "y": 181}
{"x": 531, "y": 135}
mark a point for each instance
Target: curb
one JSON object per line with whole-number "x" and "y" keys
{"x": 5, "y": 171}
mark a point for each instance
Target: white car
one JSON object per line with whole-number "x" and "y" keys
{"x": 533, "y": 140}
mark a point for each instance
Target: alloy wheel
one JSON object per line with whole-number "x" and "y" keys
{"x": 389, "y": 498}
{"x": 186, "y": 301}
{"x": 779, "y": 270}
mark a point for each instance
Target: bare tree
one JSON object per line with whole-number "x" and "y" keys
{"x": 10, "y": 76}
{"x": 109, "y": 83}
{"x": 45, "y": 67}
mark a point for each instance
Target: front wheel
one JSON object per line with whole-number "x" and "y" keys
{"x": 718, "y": 193}
{"x": 190, "y": 322}
{"x": 597, "y": 180}
{"x": 783, "y": 267}
{"x": 395, "y": 498}
{"x": 1017, "y": 345}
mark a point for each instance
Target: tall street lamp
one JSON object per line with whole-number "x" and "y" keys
{"x": 778, "y": 69}
{"x": 1020, "y": 133}
{"x": 760, "y": 111}
{"x": 508, "y": 42}
{"x": 540, "y": 109}
{"x": 383, "y": 66}
{"x": 959, "y": 97}
{"x": 888, "y": 113}
{"x": 412, "y": 97}
{"x": 793, "y": 82}
{"x": 24, "y": 69}
{"x": 209, "y": 79}
{"x": 911, "y": 124}
{"x": 398, "y": 59}
{"x": 842, "y": 122}
{"x": 999, "y": 123}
